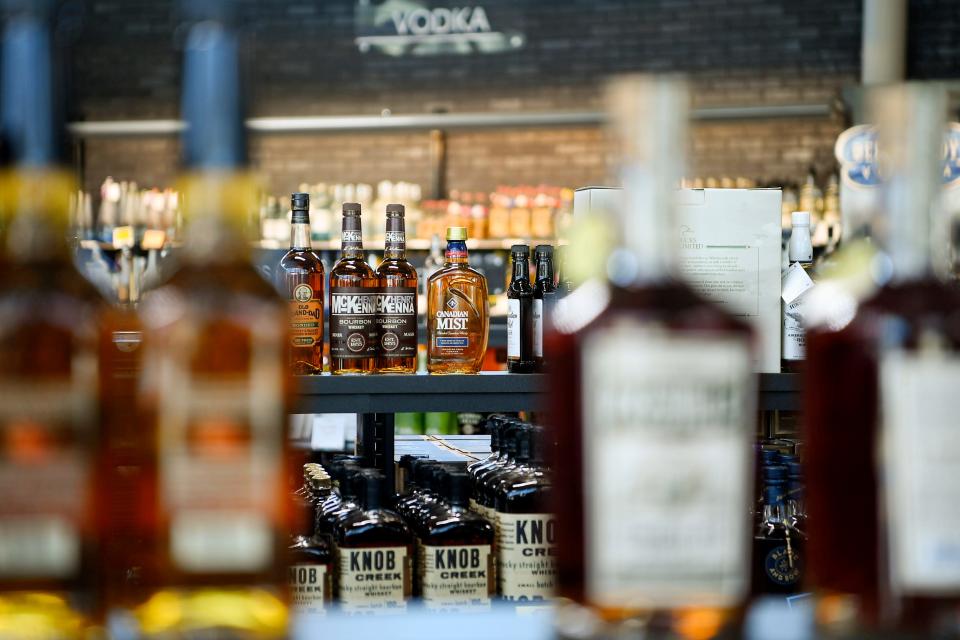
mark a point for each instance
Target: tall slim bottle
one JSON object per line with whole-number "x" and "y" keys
{"x": 657, "y": 402}
{"x": 49, "y": 436}
{"x": 544, "y": 299}
{"x": 215, "y": 379}
{"x": 520, "y": 317}
{"x": 885, "y": 379}
{"x": 301, "y": 278}
{"x": 397, "y": 300}
{"x": 353, "y": 302}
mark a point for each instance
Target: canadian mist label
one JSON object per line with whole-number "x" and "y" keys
{"x": 374, "y": 579}
{"x": 526, "y": 569}
{"x": 457, "y": 577}
{"x": 397, "y": 321}
{"x": 307, "y": 587}
{"x": 353, "y": 326}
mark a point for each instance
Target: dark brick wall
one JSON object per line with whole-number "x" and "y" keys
{"x": 302, "y": 60}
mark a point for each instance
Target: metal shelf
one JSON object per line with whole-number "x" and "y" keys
{"x": 487, "y": 391}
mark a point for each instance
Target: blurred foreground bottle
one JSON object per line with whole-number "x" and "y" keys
{"x": 48, "y": 360}
{"x": 884, "y": 377}
{"x": 214, "y": 371}
{"x": 654, "y": 410}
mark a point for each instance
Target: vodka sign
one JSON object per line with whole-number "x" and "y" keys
{"x": 421, "y": 28}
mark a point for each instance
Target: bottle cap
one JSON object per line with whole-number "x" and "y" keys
{"x": 800, "y": 219}
{"x": 543, "y": 251}
{"x": 773, "y": 495}
{"x": 372, "y": 486}
{"x": 457, "y": 233}
{"x": 351, "y": 208}
{"x": 520, "y": 250}
{"x": 769, "y": 456}
{"x": 300, "y": 201}
{"x": 395, "y": 210}
{"x": 456, "y": 488}
{"x": 524, "y": 440}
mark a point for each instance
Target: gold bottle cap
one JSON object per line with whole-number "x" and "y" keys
{"x": 457, "y": 233}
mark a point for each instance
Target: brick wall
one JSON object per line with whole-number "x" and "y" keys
{"x": 302, "y": 60}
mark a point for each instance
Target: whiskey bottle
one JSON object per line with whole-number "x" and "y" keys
{"x": 526, "y": 531}
{"x": 777, "y": 547}
{"x": 458, "y": 312}
{"x": 658, "y": 400}
{"x": 310, "y": 557}
{"x": 397, "y": 300}
{"x": 375, "y": 550}
{"x": 457, "y": 553}
{"x": 353, "y": 302}
{"x": 302, "y": 280}
{"x": 886, "y": 380}
{"x": 484, "y": 489}
{"x": 796, "y": 282}
{"x": 493, "y": 426}
{"x": 544, "y": 298}
{"x": 49, "y": 433}
{"x": 520, "y": 320}
{"x": 215, "y": 377}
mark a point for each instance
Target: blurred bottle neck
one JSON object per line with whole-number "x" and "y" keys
{"x": 456, "y": 252}
{"x": 218, "y": 208}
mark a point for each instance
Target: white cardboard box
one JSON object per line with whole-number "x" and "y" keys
{"x": 729, "y": 253}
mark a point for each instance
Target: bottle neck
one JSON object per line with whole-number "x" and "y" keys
{"x": 545, "y": 273}
{"x": 800, "y": 248}
{"x": 217, "y": 206}
{"x": 300, "y": 231}
{"x": 395, "y": 242}
{"x": 456, "y": 252}
{"x": 351, "y": 239}
{"x": 773, "y": 513}
{"x": 521, "y": 269}
{"x": 647, "y": 255}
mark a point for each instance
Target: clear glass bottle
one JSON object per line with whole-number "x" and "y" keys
{"x": 301, "y": 278}
{"x": 797, "y": 281}
{"x": 660, "y": 352}
{"x": 458, "y": 312}
{"x": 884, "y": 379}
{"x": 397, "y": 300}
{"x": 520, "y": 319}
{"x": 353, "y": 302}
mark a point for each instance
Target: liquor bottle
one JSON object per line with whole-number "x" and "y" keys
{"x": 777, "y": 547}
{"x": 485, "y": 488}
{"x": 657, "y": 401}
{"x": 215, "y": 378}
{"x": 353, "y": 302}
{"x": 493, "y": 426}
{"x": 397, "y": 300}
{"x": 526, "y": 532}
{"x": 310, "y": 557}
{"x": 520, "y": 320}
{"x": 457, "y": 553}
{"x": 544, "y": 299}
{"x": 458, "y": 312}
{"x": 886, "y": 380}
{"x": 302, "y": 281}
{"x": 796, "y": 282}
{"x": 375, "y": 548}
{"x": 49, "y": 434}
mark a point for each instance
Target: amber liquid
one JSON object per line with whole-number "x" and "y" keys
{"x": 353, "y": 271}
{"x": 397, "y": 272}
{"x": 302, "y": 266}
{"x": 467, "y": 288}
{"x": 679, "y": 310}
{"x": 841, "y": 433}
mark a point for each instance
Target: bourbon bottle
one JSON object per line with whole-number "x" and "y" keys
{"x": 49, "y": 434}
{"x": 520, "y": 318}
{"x": 886, "y": 380}
{"x": 397, "y": 300}
{"x": 215, "y": 382}
{"x": 353, "y": 302}
{"x": 302, "y": 279}
{"x": 458, "y": 312}
{"x": 656, "y": 399}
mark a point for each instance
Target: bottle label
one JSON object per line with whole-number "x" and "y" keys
{"x": 514, "y": 325}
{"x": 782, "y": 565}
{"x": 668, "y": 461}
{"x": 308, "y": 587}
{"x": 451, "y": 323}
{"x": 46, "y": 475}
{"x": 395, "y": 241}
{"x": 351, "y": 239}
{"x": 457, "y": 578}
{"x": 919, "y": 409}
{"x": 526, "y": 568}
{"x": 397, "y": 321}
{"x": 538, "y": 328}
{"x": 794, "y": 334}
{"x": 353, "y": 322}
{"x": 374, "y": 579}
{"x": 306, "y": 312}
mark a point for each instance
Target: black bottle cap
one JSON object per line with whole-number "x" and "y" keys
{"x": 395, "y": 210}
{"x": 300, "y": 201}
{"x": 520, "y": 250}
{"x": 438, "y": 473}
{"x": 509, "y": 439}
{"x": 351, "y": 486}
{"x": 457, "y": 488}
{"x": 494, "y": 423}
{"x": 372, "y": 482}
{"x": 351, "y": 208}
{"x": 543, "y": 251}
{"x": 538, "y": 445}
{"x": 423, "y": 471}
{"x": 524, "y": 444}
